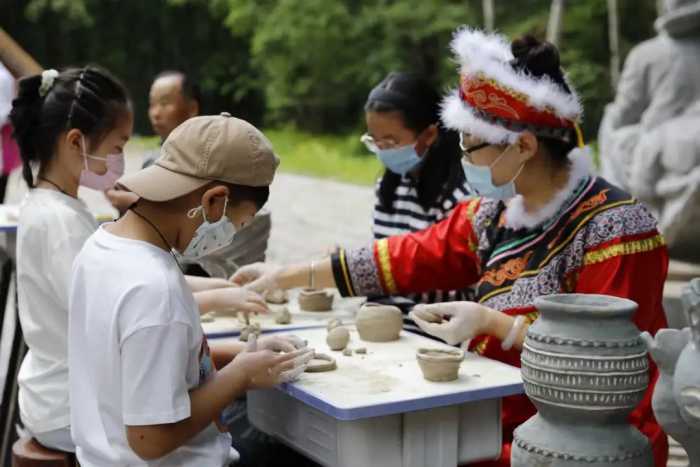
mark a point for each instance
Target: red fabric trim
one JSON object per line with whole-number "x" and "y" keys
{"x": 506, "y": 104}
{"x": 442, "y": 257}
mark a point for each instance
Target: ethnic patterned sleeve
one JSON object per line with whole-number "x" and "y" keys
{"x": 632, "y": 265}
{"x": 441, "y": 257}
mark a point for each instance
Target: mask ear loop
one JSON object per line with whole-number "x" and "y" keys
{"x": 192, "y": 213}
{"x": 517, "y": 174}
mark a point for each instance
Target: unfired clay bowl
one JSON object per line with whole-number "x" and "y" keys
{"x": 440, "y": 365}
{"x": 315, "y": 300}
{"x": 379, "y": 323}
{"x": 320, "y": 363}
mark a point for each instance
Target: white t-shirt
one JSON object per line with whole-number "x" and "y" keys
{"x": 136, "y": 349}
{"x": 53, "y": 227}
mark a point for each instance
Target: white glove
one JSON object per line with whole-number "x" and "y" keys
{"x": 453, "y": 322}
{"x": 258, "y": 277}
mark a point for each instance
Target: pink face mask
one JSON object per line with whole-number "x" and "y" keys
{"x": 115, "y": 169}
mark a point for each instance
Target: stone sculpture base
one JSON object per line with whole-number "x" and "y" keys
{"x": 568, "y": 445}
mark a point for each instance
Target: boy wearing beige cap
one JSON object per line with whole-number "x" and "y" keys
{"x": 145, "y": 390}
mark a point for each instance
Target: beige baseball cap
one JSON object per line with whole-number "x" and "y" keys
{"x": 204, "y": 149}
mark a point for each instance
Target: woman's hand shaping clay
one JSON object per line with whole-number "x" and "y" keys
{"x": 258, "y": 277}
{"x": 453, "y": 322}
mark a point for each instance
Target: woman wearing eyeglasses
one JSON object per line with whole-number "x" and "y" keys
{"x": 544, "y": 224}
{"x": 423, "y": 179}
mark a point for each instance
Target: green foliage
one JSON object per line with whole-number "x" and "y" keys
{"x": 336, "y": 157}
{"x": 307, "y": 63}
{"x": 75, "y": 10}
{"x": 320, "y": 58}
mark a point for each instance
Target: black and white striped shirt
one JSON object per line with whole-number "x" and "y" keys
{"x": 406, "y": 214}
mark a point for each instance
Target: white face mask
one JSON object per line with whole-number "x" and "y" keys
{"x": 209, "y": 237}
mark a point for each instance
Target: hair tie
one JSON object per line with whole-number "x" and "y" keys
{"x": 47, "y": 79}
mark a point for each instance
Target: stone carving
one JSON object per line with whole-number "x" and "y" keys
{"x": 440, "y": 365}
{"x": 315, "y": 300}
{"x": 649, "y": 143}
{"x": 665, "y": 348}
{"x": 585, "y": 368}
{"x": 686, "y": 381}
{"x": 676, "y": 399}
{"x": 379, "y": 323}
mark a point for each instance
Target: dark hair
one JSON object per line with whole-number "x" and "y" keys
{"x": 190, "y": 88}
{"x": 89, "y": 99}
{"x": 257, "y": 194}
{"x": 418, "y": 103}
{"x": 541, "y": 59}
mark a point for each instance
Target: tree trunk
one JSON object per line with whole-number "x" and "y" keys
{"x": 614, "y": 34}
{"x": 15, "y": 58}
{"x": 488, "y": 14}
{"x": 556, "y": 18}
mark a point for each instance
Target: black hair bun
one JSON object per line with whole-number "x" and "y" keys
{"x": 26, "y": 113}
{"x": 537, "y": 57}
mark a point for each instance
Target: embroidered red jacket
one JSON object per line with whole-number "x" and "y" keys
{"x": 601, "y": 241}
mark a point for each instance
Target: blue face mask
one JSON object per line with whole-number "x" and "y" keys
{"x": 480, "y": 180}
{"x": 399, "y": 160}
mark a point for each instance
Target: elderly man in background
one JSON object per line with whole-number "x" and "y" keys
{"x": 173, "y": 98}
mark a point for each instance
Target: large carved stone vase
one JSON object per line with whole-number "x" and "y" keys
{"x": 585, "y": 368}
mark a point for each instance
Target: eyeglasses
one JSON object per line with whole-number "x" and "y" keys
{"x": 468, "y": 151}
{"x": 374, "y": 145}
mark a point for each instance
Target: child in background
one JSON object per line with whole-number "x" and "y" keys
{"x": 71, "y": 126}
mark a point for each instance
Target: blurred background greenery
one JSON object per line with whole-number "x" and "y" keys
{"x": 302, "y": 69}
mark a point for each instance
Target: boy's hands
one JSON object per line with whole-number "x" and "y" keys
{"x": 266, "y": 369}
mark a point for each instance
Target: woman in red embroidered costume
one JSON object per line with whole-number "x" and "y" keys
{"x": 543, "y": 224}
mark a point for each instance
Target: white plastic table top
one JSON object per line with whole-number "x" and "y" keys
{"x": 230, "y": 326}
{"x": 387, "y": 380}
{"x": 9, "y": 216}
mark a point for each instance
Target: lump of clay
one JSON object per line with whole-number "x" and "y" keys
{"x": 252, "y": 328}
{"x": 315, "y": 300}
{"x": 321, "y": 362}
{"x": 283, "y": 316}
{"x": 379, "y": 323}
{"x": 440, "y": 365}
{"x": 338, "y": 338}
{"x": 347, "y": 352}
{"x": 208, "y": 317}
{"x": 276, "y": 296}
{"x": 361, "y": 350}
{"x": 333, "y": 323}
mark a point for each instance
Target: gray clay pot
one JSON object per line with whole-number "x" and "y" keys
{"x": 585, "y": 368}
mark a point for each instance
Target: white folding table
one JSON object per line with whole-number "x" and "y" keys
{"x": 377, "y": 410}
